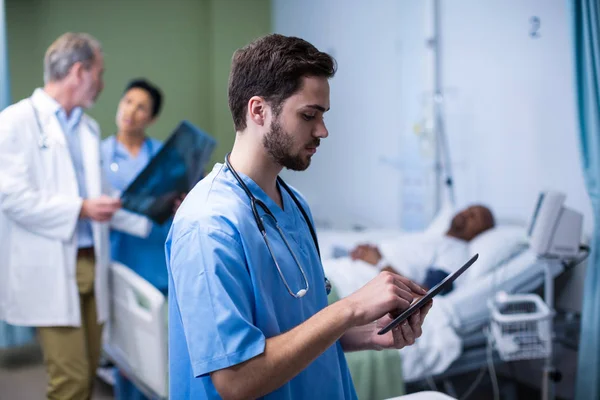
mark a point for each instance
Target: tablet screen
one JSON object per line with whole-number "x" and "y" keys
{"x": 423, "y": 300}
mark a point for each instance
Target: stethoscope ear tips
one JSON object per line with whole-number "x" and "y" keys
{"x": 301, "y": 293}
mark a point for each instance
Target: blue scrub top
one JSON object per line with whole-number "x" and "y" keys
{"x": 226, "y": 296}
{"x": 145, "y": 256}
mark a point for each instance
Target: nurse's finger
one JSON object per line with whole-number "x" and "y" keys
{"x": 407, "y": 332}
{"x": 397, "y": 306}
{"x": 425, "y": 310}
{"x": 404, "y": 293}
{"x": 416, "y": 288}
{"x": 415, "y": 323}
{"x": 411, "y": 285}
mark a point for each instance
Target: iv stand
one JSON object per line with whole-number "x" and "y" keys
{"x": 442, "y": 153}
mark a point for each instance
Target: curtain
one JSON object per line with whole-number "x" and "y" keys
{"x": 585, "y": 21}
{"x": 10, "y": 336}
{"x": 4, "y": 77}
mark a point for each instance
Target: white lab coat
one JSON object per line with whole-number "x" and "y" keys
{"x": 39, "y": 209}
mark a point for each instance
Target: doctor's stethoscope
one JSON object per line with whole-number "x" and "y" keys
{"x": 255, "y": 203}
{"x": 43, "y": 141}
{"x": 114, "y": 165}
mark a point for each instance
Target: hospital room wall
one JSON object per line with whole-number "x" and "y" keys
{"x": 234, "y": 23}
{"x": 183, "y": 46}
{"x": 353, "y": 178}
{"x": 511, "y": 108}
{"x": 509, "y": 101}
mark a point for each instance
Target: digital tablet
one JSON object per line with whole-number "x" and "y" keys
{"x": 423, "y": 300}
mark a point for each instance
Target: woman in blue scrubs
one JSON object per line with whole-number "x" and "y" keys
{"x": 124, "y": 156}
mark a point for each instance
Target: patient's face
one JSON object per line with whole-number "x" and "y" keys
{"x": 471, "y": 222}
{"x": 296, "y": 130}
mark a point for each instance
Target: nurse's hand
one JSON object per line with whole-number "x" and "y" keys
{"x": 100, "y": 209}
{"x": 402, "y": 335}
{"x": 178, "y": 202}
{"x": 386, "y": 293}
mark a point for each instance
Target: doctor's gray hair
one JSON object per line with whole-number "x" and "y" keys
{"x": 67, "y": 50}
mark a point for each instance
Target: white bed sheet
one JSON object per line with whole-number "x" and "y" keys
{"x": 464, "y": 311}
{"x": 331, "y": 238}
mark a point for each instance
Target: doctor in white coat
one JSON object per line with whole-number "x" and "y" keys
{"x": 55, "y": 215}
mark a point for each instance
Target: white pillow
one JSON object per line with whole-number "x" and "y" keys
{"x": 495, "y": 247}
{"x": 441, "y": 222}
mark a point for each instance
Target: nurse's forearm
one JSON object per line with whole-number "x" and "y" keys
{"x": 285, "y": 356}
{"x": 359, "y": 338}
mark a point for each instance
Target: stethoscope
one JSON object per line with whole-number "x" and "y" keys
{"x": 43, "y": 141}
{"x": 114, "y": 165}
{"x": 261, "y": 227}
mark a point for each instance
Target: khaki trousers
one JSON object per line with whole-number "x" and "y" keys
{"x": 71, "y": 355}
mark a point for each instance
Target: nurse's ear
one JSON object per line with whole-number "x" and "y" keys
{"x": 257, "y": 110}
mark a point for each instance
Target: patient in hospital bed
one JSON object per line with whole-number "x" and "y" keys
{"x": 430, "y": 261}
{"x": 424, "y": 259}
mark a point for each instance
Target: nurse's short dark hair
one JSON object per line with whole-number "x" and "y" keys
{"x": 154, "y": 92}
{"x": 273, "y": 67}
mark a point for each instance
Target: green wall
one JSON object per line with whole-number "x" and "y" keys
{"x": 184, "y": 46}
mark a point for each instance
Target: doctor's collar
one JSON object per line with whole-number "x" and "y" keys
{"x": 49, "y": 106}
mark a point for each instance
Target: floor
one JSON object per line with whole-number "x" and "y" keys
{"x": 22, "y": 377}
{"x": 518, "y": 380}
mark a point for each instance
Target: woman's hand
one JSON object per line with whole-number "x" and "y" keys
{"x": 178, "y": 202}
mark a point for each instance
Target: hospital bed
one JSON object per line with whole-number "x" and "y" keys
{"x": 455, "y": 336}
{"x": 136, "y": 338}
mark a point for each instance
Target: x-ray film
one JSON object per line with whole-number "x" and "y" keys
{"x": 175, "y": 169}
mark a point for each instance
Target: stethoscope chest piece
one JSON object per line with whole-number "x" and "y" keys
{"x": 114, "y": 165}
{"x": 43, "y": 142}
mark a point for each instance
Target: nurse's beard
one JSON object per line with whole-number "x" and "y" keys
{"x": 279, "y": 145}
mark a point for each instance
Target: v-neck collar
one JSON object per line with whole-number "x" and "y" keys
{"x": 121, "y": 150}
{"x": 281, "y": 214}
